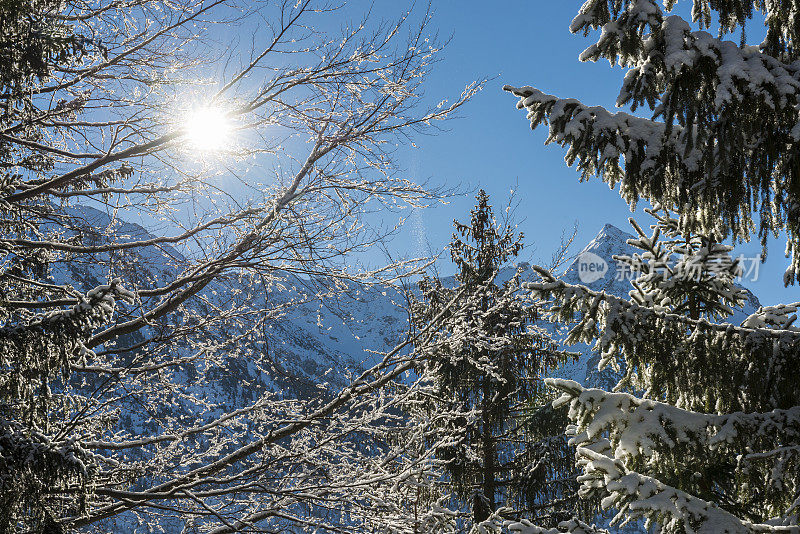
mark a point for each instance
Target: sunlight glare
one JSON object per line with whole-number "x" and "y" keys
{"x": 208, "y": 129}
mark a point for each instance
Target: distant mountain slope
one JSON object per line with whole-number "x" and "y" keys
{"x": 311, "y": 341}
{"x": 323, "y": 341}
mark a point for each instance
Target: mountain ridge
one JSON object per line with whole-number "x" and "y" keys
{"x": 324, "y": 341}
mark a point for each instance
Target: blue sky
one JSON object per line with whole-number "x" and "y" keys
{"x": 491, "y": 145}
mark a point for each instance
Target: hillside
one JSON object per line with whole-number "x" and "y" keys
{"x": 311, "y": 342}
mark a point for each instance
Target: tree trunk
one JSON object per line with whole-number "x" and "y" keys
{"x": 484, "y": 500}
{"x": 484, "y": 503}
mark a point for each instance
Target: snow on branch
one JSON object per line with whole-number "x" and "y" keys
{"x": 621, "y": 38}
{"x": 658, "y": 437}
{"x": 57, "y": 462}
{"x": 727, "y": 118}
{"x": 680, "y": 272}
{"x": 671, "y": 49}
{"x": 676, "y": 512}
{"x": 595, "y": 14}
{"x": 497, "y": 525}
{"x": 779, "y": 317}
{"x": 638, "y": 426}
{"x": 662, "y": 360}
{"x": 43, "y": 347}
{"x": 779, "y": 17}
{"x": 596, "y": 138}
{"x": 737, "y": 75}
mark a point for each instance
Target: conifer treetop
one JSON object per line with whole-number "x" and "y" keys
{"x": 479, "y": 248}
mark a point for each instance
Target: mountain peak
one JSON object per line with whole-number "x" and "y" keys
{"x": 611, "y": 233}
{"x": 610, "y": 241}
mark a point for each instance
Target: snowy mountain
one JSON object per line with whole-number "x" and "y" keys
{"x": 306, "y": 341}
{"x": 321, "y": 341}
{"x": 371, "y": 319}
{"x": 610, "y": 242}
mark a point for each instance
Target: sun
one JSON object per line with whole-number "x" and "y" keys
{"x": 208, "y": 129}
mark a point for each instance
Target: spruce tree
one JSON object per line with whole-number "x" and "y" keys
{"x": 723, "y": 144}
{"x": 36, "y": 349}
{"x": 702, "y": 432}
{"x": 487, "y": 374}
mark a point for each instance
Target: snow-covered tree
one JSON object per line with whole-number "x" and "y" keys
{"x": 486, "y": 393}
{"x": 721, "y": 147}
{"x": 111, "y": 108}
{"x": 682, "y": 272}
{"x": 701, "y": 432}
{"x": 714, "y": 445}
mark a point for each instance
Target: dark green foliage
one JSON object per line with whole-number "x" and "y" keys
{"x": 32, "y": 356}
{"x": 545, "y": 476}
{"x": 505, "y": 448}
{"x": 31, "y": 467}
{"x": 679, "y": 360}
{"x": 720, "y": 149}
{"x": 745, "y": 462}
{"x": 32, "y": 42}
{"x": 36, "y": 350}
